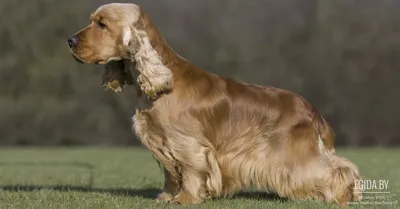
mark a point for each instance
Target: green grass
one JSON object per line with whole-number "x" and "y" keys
{"x": 112, "y": 178}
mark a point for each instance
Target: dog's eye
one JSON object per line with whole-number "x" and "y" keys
{"x": 102, "y": 25}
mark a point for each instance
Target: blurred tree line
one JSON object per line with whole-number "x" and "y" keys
{"x": 341, "y": 55}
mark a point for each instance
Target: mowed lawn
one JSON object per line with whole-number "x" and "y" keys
{"x": 112, "y": 178}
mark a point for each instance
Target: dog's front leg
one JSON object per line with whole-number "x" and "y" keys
{"x": 193, "y": 188}
{"x": 201, "y": 175}
{"x": 153, "y": 138}
{"x": 171, "y": 187}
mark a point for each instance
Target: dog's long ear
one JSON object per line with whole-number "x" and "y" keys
{"x": 134, "y": 16}
{"x": 115, "y": 76}
{"x": 130, "y": 71}
{"x": 112, "y": 70}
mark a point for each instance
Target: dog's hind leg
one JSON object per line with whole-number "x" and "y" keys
{"x": 304, "y": 170}
{"x": 326, "y": 178}
{"x": 343, "y": 180}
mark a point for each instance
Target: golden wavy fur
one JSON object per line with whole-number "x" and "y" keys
{"x": 215, "y": 136}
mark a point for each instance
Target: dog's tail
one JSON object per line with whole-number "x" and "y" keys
{"x": 326, "y": 135}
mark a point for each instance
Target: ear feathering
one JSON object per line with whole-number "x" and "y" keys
{"x": 155, "y": 77}
{"x": 116, "y": 76}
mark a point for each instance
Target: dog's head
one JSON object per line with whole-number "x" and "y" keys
{"x": 116, "y": 33}
{"x": 106, "y": 37}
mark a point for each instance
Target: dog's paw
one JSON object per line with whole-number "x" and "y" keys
{"x": 184, "y": 199}
{"x": 164, "y": 197}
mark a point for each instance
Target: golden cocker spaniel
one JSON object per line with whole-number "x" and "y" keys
{"x": 214, "y": 136}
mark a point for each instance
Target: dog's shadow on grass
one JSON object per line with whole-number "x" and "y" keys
{"x": 259, "y": 196}
{"x": 148, "y": 193}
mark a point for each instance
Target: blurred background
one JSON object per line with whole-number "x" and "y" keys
{"x": 341, "y": 55}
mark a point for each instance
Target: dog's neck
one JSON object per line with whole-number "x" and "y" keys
{"x": 155, "y": 60}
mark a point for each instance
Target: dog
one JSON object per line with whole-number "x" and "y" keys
{"x": 215, "y": 136}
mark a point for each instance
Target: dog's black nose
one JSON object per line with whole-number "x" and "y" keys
{"x": 72, "y": 41}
